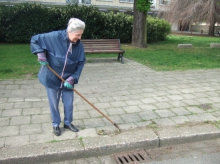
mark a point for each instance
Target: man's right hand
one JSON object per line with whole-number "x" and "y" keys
{"x": 42, "y": 59}
{"x": 43, "y": 63}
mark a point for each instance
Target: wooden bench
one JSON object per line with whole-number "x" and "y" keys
{"x": 100, "y": 46}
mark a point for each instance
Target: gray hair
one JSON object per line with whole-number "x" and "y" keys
{"x": 75, "y": 24}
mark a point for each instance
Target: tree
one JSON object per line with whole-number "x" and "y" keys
{"x": 139, "y": 31}
{"x": 193, "y": 11}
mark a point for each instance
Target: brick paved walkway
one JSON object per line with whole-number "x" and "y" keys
{"x": 130, "y": 94}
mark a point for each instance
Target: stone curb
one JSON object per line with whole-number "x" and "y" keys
{"x": 143, "y": 138}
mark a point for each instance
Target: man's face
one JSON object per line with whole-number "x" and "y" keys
{"x": 74, "y": 36}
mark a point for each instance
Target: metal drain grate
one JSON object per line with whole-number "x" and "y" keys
{"x": 131, "y": 157}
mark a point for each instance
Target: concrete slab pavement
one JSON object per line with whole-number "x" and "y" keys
{"x": 152, "y": 108}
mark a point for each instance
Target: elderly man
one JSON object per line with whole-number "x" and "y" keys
{"x": 63, "y": 52}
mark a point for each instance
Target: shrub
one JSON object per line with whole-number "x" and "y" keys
{"x": 157, "y": 29}
{"x": 18, "y": 23}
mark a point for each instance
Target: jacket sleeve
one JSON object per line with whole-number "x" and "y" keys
{"x": 37, "y": 44}
{"x": 78, "y": 71}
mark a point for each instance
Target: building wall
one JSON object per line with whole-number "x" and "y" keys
{"x": 122, "y": 5}
{"x": 113, "y": 3}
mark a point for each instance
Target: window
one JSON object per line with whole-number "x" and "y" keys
{"x": 164, "y": 2}
{"x": 130, "y": 1}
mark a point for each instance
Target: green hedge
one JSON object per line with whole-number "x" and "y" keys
{"x": 18, "y": 23}
{"x": 157, "y": 29}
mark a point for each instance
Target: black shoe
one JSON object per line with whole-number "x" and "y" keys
{"x": 56, "y": 131}
{"x": 71, "y": 127}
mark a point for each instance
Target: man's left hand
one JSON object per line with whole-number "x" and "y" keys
{"x": 68, "y": 85}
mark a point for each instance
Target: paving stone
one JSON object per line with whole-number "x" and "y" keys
{"x": 148, "y": 100}
{"x": 164, "y": 113}
{"x": 9, "y": 87}
{"x": 148, "y": 115}
{"x": 161, "y": 98}
{"x": 17, "y": 99}
{"x": 174, "y": 92}
{"x": 115, "y": 111}
{"x": 191, "y": 102}
{"x": 215, "y": 99}
{"x": 31, "y": 111}
{"x": 47, "y": 127}
{"x": 65, "y": 135}
{"x": 161, "y": 93}
{"x": 118, "y": 104}
{"x": 143, "y": 124}
{"x": 147, "y": 107}
{"x": 81, "y": 114}
{"x": 180, "y": 111}
{"x": 2, "y": 142}
{"x": 87, "y": 133}
{"x": 34, "y": 99}
{"x": 121, "y": 98}
{"x": 207, "y": 117}
{"x": 17, "y": 140}
{"x": 204, "y": 100}
{"x": 83, "y": 107}
{"x": 4, "y": 121}
{"x": 188, "y": 96}
{"x": 20, "y": 120}
{"x": 7, "y": 105}
{"x": 40, "y": 138}
{"x": 175, "y": 97}
{"x": 93, "y": 122}
{"x": 164, "y": 122}
{"x": 194, "y": 118}
{"x": 195, "y": 109}
{"x": 128, "y": 126}
{"x": 105, "y": 99}
{"x": 3, "y": 100}
{"x": 40, "y": 119}
{"x": 9, "y": 131}
{"x": 132, "y": 109}
{"x": 11, "y": 112}
{"x": 134, "y": 102}
{"x": 23, "y": 105}
{"x": 180, "y": 119}
{"x": 94, "y": 113}
{"x": 102, "y": 105}
{"x": 163, "y": 105}
{"x": 129, "y": 118}
{"x": 116, "y": 119}
{"x": 30, "y": 129}
{"x": 186, "y": 90}
{"x": 40, "y": 104}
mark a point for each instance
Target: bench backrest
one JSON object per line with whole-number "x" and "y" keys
{"x": 101, "y": 44}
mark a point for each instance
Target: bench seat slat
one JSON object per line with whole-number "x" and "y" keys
{"x": 101, "y": 46}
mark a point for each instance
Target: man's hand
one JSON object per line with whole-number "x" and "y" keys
{"x": 43, "y": 63}
{"x": 68, "y": 85}
{"x": 42, "y": 59}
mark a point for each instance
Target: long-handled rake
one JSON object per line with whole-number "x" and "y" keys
{"x": 84, "y": 98}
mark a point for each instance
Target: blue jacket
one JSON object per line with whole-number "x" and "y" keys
{"x": 55, "y": 44}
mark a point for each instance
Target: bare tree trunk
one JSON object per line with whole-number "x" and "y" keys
{"x": 212, "y": 18}
{"x": 139, "y": 32}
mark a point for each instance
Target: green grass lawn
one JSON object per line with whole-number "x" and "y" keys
{"x": 166, "y": 56}
{"x": 17, "y": 62}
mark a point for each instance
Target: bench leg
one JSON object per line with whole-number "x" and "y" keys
{"x": 120, "y": 56}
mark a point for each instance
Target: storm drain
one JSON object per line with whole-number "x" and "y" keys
{"x": 131, "y": 157}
